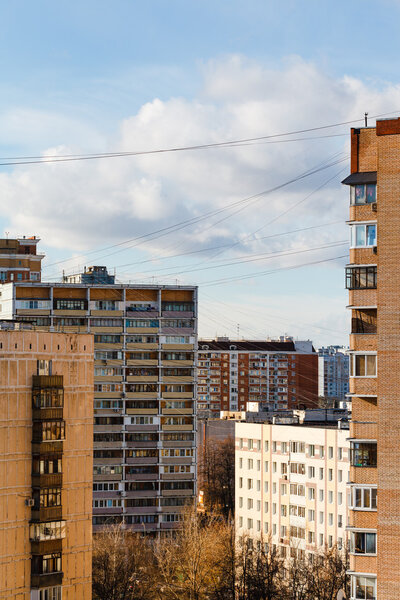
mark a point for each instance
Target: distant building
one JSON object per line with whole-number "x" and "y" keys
{"x": 333, "y": 373}
{"x": 290, "y": 483}
{"x": 93, "y": 275}
{"x": 274, "y": 374}
{"x": 19, "y": 260}
{"x": 46, "y": 463}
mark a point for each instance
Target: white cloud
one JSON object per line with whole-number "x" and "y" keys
{"x": 81, "y": 205}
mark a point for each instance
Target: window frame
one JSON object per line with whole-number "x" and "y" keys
{"x": 353, "y": 234}
{"x": 353, "y": 364}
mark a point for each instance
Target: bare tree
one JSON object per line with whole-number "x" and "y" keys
{"x": 217, "y": 475}
{"x": 121, "y": 562}
{"x": 259, "y": 571}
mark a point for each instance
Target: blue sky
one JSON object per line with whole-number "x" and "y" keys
{"x": 97, "y": 76}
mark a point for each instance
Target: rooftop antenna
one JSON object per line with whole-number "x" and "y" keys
{"x": 366, "y": 119}
{"x": 7, "y": 232}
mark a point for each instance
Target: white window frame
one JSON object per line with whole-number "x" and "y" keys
{"x": 353, "y": 235}
{"x": 353, "y": 365}
{"x": 353, "y": 497}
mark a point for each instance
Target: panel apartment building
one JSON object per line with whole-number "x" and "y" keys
{"x": 46, "y": 464}
{"x": 374, "y": 185}
{"x": 333, "y": 374}
{"x": 277, "y": 375}
{"x": 145, "y": 345}
{"x": 19, "y": 260}
{"x": 291, "y": 485}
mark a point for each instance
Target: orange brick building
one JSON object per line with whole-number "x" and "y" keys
{"x": 374, "y": 520}
{"x": 277, "y": 375}
{"x": 19, "y": 260}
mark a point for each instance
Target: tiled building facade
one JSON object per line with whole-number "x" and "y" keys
{"x": 278, "y": 375}
{"x": 373, "y": 280}
{"x": 290, "y": 485}
{"x": 46, "y": 464}
{"x": 145, "y": 346}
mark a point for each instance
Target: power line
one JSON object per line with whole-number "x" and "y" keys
{"x": 231, "y": 143}
{"x": 183, "y": 224}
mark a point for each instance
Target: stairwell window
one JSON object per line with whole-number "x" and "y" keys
{"x": 363, "y": 235}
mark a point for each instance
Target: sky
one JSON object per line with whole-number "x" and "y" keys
{"x": 259, "y": 226}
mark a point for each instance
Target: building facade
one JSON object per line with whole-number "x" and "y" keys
{"x": 276, "y": 375}
{"x": 333, "y": 374}
{"x": 46, "y": 464}
{"x": 145, "y": 346}
{"x": 290, "y": 483}
{"x": 374, "y": 184}
{"x": 19, "y": 260}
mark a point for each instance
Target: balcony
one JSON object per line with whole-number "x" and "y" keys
{"x": 44, "y": 580}
{"x": 46, "y": 480}
{"x": 51, "y": 513}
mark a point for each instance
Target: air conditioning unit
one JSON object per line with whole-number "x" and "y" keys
{"x": 375, "y": 249}
{"x": 29, "y": 502}
{"x": 374, "y": 206}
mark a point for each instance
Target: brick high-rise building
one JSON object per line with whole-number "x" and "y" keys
{"x": 374, "y": 520}
{"x": 46, "y": 464}
{"x": 19, "y": 260}
{"x": 277, "y": 375}
{"x": 145, "y": 347}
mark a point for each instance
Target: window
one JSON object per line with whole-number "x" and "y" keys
{"x": 61, "y": 304}
{"x": 240, "y": 521}
{"x": 330, "y": 474}
{"x": 364, "y": 498}
{"x": 363, "y": 236}
{"x": 330, "y": 519}
{"x": 266, "y": 446}
{"x": 330, "y": 497}
{"x": 284, "y": 468}
{"x": 311, "y": 493}
{"x": 311, "y": 449}
{"x": 249, "y": 463}
{"x": 311, "y": 515}
{"x": 340, "y": 498}
{"x": 274, "y": 488}
{"x": 249, "y": 484}
{"x": 311, "y": 472}
{"x": 340, "y": 453}
{"x": 321, "y": 495}
{"x": 340, "y": 475}
{"x": 258, "y": 485}
{"x": 283, "y": 489}
{"x": 249, "y": 503}
{"x": 240, "y": 482}
{"x": 258, "y": 505}
{"x": 52, "y": 593}
{"x": 363, "y": 454}
{"x": 283, "y": 510}
{"x": 363, "y": 193}
{"x": 249, "y": 523}
{"x": 240, "y": 463}
{"x": 266, "y": 507}
{"x": 53, "y": 530}
{"x": 250, "y": 444}
{"x": 363, "y": 588}
{"x": 321, "y": 539}
{"x": 321, "y": 517}
{"x": 321, "y": 452}
{"x": 358, "y": 278}
{"x": 321, "y": 473}
{"x": 362, "y": 542}
{"x": 363, "y": 365}
{"x": 241, "y": 502}
{"x": 330, "y": 451}
{"x": 311, "y": 537}
{"x": 44, "y": 367}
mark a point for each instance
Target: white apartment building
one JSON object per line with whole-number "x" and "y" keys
{"x": 291, "y": 485}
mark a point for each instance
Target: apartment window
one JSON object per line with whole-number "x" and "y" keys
{"x": 311, "y": 515}
{"x": 311, "y": 493}
{"x": 240, "y": 521}
{"x": 46, "y": 563}
{"x": 283, "y": 510}
{"x": 266, "y": 446}
{"x": 241, "y": 443}
{"x": 363, "y": 454}
{"x": 283, "y": 447}
{"x": 283, "y": 531}
{"x": 249, "y": 503}
{"x": 321, "y": 473}
{"x": 340, "y": 453}
{"x": 249, "y": 463}
{"x": 363, "y": 588}
{"x": 321, "y": 495}
{"x": 266, "y": 507}
{"x": 330, "y": 474}
{"x": 249, "y": 523}
{"x": 283, "y": 489}
{"x": 274, "y": 529}
{"x": 44, "y": 367}
{"x": 250, "y": 444}
{"x": 363, "y": 365}
{"x": 265, "y": 486}
{"x": 274, "y": 467}
{"x": 274, "y": 508}
{"x": 311, "y": 537}
{"x": 249, "y": 484}
{"x": 258, "y": 485}
{"x": 240, "y": 463}
{"x": 60, "y": 304}
{"x": 340, "y": 475}
{"x": 362, "y": 542}
{"x": 258, "y": 526}
{"x": 266, "y": 466}
{"x": 52, "y": 593}
{"x": 297, "y": 446}
{"x": 340, "y": 498}
{"x": 240, "y": 501}
{"x": 311, "y": 472}
{"x": 330, "y": 519}
{"x": 265, "y": 527}
{"x": 284, "y": 468}
{"x": 340, "y": 521}
{"x": 363, "y": 235}
{"x": 363, "y": 193}
{"x": 358, "y": 278}
{"x": 258, "y": 465}
{"x": 364, "y": 498}
{"x": 258, "y": 505}
{"x": 330, "y": 497}
{"x": 330, "y": 541}
{"x": 321, "y": 452}
{"x": 321, "y": 517}
{"x": 274, "y": 488}
{"x": 311, "y": 449}
{"x": 258, "y": 445}
{"x": 240, "y": 482}
{"x": 330, "y": 451}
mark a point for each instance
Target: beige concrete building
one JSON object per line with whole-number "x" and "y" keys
{"x": 19, "y": 260}
{"x": 290, "y": 483}
{"x": 145, "y": 349}
{"x": 46, "y": 464}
